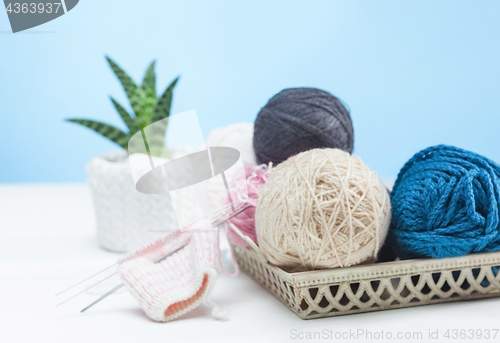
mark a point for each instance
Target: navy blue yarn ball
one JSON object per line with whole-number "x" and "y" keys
{"x": 445, "y": 203}
{"x": 301, "y": 119}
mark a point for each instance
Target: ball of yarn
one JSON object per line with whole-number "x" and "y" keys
{"x": 445, "y": 203}
{"x": 301, "y": 119}
{"x": 256, "y": 177}
{"x": 238, "y": 136}
{"x": 322, "y": 209}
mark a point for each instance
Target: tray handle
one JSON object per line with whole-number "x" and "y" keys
{"x": 248, "y": 241}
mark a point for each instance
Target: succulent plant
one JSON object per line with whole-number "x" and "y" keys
{"x": 147, "y": 108}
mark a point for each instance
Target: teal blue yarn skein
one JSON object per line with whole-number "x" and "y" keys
{"x": 445, "y": 203}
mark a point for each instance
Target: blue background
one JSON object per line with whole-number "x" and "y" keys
{"x": 414, "y": 73}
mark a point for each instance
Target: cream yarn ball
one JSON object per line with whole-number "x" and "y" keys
{"x": 322, "y": 208}
{"x": 238, "y": 136}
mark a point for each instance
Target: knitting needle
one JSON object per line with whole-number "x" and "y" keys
{"x": 227, "y": 190}
{"x": 104, "y": 296}
{"x": 215, "y": 223}
{"x": 90, "y": 277}
{"x": 220, "y": 222}
{"x": 86, "y": 289}
{"x": 121, "y": 285}
{"x": 234, "y": 214}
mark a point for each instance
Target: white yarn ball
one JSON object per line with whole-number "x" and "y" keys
{"x": 322, "y": 208}
{"x": 238, "y": 136}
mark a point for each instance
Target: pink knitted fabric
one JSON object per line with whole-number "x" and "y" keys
{"x": 177, "y": 284}
{"x": 256, "y": 177}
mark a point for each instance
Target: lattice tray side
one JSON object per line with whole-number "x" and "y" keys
{"x": 273, "y": 279}
{"x": 378, "y": 286}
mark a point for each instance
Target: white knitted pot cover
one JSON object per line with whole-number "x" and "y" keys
{"x": 179, "y": 282}
{"x": 124, "y": 216}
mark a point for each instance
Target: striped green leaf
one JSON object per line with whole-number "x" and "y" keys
{"x": 110, "y": 132}
{"x": 127, "y": 83}
{"x": 127, "y": 118}
{"x": 149, "y": 81}
{"x": 162, "y": 109}
{"x": 144, "y": 106}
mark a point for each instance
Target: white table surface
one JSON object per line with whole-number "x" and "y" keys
{"x": 47, "y": 242}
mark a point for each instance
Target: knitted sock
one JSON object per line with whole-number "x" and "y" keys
{"x": 180, "y": 282}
